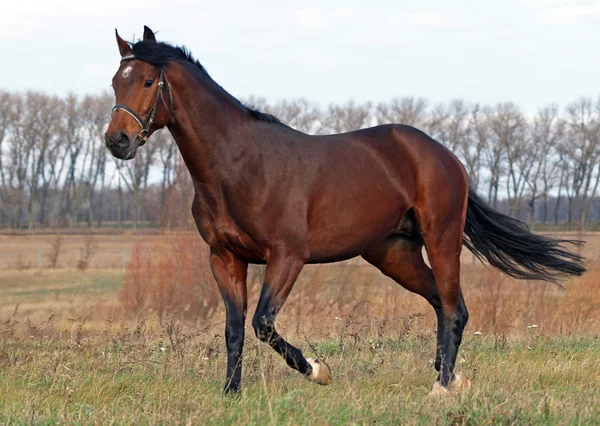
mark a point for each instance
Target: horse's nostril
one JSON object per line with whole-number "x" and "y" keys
{"x": 122, "y": 140}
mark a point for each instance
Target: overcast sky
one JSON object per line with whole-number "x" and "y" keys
{"x": 531, "y": 52}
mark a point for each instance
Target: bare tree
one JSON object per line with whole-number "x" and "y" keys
{"x": 493, "y": 153}
{"x": 168, "y": 157}
{"x": 508, "y": 129}
{"x": 74, "y": 134}
{"x": 20, "y": 151}
{"x": 562, "y": 165}
{"x": 581, "y": 151}
{"x": 437, "y": 125}
{"x": 46, "y": 152}
{"x": 546, "y": 131}
{"x": 473, "y": 148}
{"x": 301, "y": 114}
{"x": 407, "y": 110}
{"x": 96, "y": 117}
{"x": 55, "y": 170}
{"x": 135, "y": 176}
{"x": 258, "y": 102}
{"x": 6, "y": 105}
{"x": 347, "y": 117}
{"x": 457, "y": 130}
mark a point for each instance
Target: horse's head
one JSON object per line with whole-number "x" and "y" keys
{"x": 143, "y": 101}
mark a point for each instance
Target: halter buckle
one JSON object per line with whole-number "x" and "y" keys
{"x": 142, "y": 136}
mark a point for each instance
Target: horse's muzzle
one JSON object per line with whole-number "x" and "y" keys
{"x": 120, "y": 146}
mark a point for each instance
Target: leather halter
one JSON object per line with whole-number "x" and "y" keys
{"x": 147, "y": 123}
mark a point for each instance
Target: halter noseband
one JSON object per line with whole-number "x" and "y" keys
{"x": 147, "y": 123}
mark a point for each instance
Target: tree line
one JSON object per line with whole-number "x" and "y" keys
{"x": 55, "y": 170}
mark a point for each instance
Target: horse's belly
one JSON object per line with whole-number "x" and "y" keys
{"x": 351, "y": 232}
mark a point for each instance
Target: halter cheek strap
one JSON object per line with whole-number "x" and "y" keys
{"x": 146, "y": 124}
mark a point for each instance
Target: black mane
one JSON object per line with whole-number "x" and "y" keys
{"x": 159, "y": 54}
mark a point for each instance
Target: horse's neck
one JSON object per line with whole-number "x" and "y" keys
{"x": 207, "y": 124}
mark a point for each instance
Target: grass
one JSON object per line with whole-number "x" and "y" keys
{"x": 125, "y": 378}
{"x": 43, "y": 282}
{"x": 75, "y": 349}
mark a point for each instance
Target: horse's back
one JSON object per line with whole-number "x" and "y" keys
{"x": 372, "y": 178}
{"x": 411, "y": 155}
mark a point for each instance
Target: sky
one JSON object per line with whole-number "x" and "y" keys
{"x": 531, "y": 52}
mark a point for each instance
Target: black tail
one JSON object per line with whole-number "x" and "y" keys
{"x": 508, "y": 245}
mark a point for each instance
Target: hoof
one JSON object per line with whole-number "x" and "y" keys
{"x": 438, "y": 389}
{"x": 460, "y": 382}
{"x": 320, "y": 373}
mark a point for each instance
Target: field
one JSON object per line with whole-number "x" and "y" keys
{"x": 124, "y": 329}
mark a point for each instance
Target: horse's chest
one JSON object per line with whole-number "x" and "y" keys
{"x": 222, "y": 231}
{"x": 236, "y": 240}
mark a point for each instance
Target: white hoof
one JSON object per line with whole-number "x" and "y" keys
{"x": 460, "y": 382}
{"x": 320, "y": 372}
{"x": 438, "y": 389}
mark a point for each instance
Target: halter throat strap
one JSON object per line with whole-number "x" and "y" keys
{"x": 146, "y": 124}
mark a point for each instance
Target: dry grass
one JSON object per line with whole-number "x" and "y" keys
{"x": 171, "y": 375}
{"x": 172, "y": 277}
{"x": 146, "y": 345}
{"x": 106, "y": 251}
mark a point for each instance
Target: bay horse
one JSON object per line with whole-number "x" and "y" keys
{"x": 268, "y": 194}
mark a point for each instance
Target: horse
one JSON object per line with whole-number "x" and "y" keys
{"x": 268, "y": 194}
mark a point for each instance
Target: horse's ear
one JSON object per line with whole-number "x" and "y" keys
{"x": 124, "y": 47}
{"x": 149, "y": 35}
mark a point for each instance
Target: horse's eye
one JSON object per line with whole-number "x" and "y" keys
{"x": 148, "y": 83}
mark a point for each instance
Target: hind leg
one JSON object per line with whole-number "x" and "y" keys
{"x": 454, "y": 312}
{"x": 402, "y": 260}
{"x": 443, "y": 242}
